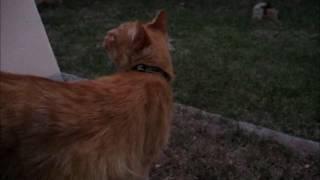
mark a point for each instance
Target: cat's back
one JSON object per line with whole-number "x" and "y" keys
{"x": 15, "y": 82}
{"x": 19, "y": 89}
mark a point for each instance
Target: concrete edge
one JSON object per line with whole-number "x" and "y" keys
{"x": 301, "y": 146}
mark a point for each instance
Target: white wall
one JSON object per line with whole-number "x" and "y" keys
{"x": 25, "y": 48}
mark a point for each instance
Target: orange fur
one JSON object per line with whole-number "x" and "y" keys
{"x": 111, "y": 128}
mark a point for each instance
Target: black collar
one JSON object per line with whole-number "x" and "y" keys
{"x": 151, "y": 69}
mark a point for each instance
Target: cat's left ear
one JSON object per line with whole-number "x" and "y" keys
{"x": 140, "y": 38}
{"x": 159, "y": 22}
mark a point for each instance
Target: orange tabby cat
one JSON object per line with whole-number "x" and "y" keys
{"x": 111, "y": 128}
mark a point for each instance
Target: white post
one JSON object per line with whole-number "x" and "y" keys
{"x": 25, "y": 48}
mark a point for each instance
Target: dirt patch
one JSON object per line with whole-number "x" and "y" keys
{"x": 203, "y": 148}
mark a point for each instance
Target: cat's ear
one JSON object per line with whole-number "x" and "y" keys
{"x": 140, "y": 38}
{"x": 109, "y": 40}
{"x": 159, "y": 22}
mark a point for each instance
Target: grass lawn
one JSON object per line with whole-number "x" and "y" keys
{"x": 264, "y": 73}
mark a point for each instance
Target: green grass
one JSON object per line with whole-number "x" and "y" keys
{"x": 264, "y": 73}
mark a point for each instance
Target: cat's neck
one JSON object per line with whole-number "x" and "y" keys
{"x": 149, "y": 64}
{"x": 144, "y": 68}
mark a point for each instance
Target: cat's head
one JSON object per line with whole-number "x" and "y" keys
{"x": 136, "y": 42}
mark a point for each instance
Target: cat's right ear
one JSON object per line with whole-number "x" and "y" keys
{"x": 159, "y": 22}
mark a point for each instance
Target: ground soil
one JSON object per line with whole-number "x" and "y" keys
{"x": 203, "y": 148}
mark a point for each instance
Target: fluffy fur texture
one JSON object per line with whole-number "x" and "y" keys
{"x": 111, "y": 128}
